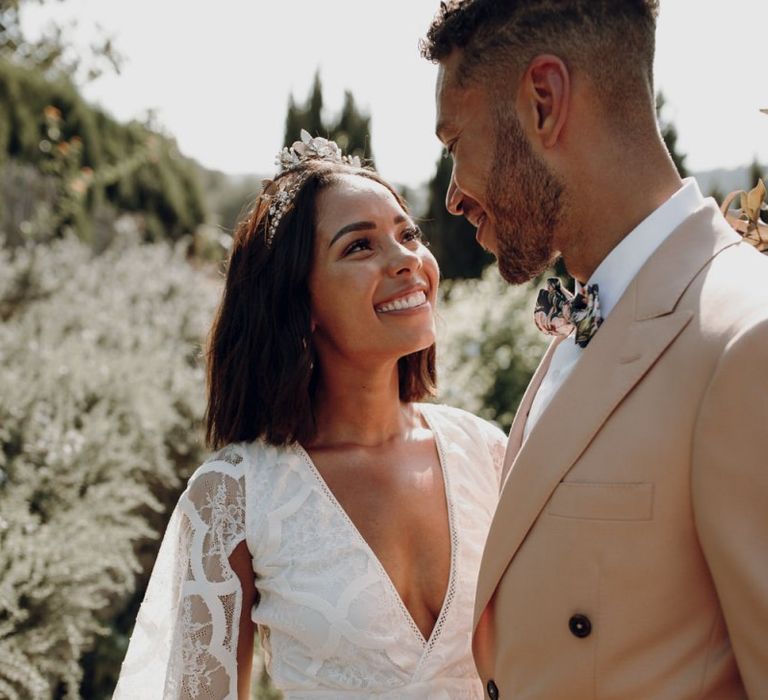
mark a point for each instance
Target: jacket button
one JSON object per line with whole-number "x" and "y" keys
{"x": 580, "y": 626}
{"x": 493, "y": 691}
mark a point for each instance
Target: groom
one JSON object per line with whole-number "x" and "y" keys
{"x": 628, "y": 557}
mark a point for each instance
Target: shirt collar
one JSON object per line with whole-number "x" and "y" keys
{"x": 622, "y": 264}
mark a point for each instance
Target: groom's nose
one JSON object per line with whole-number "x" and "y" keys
{"x": 453, "y": 198}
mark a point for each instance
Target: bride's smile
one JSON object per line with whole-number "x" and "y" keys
{"x": 409, "y": 300}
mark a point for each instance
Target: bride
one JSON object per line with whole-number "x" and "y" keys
{"x": 340, "y": 518}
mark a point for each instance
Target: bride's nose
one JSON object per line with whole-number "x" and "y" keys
{"x": 403, "y": 260}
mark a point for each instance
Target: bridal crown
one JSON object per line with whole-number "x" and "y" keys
{"x": 292, "y": 158}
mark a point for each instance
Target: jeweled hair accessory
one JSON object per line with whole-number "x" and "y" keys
{"x": 292, "y": 158}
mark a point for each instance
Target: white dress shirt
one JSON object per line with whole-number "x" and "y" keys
{"x": 613, "y": 276}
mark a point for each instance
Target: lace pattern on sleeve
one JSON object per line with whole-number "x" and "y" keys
{"x": 184, "y": 644}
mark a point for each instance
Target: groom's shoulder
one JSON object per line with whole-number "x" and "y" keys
{"x": 735, "y": 285}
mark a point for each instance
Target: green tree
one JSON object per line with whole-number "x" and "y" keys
{"x": 351, "y": 130}
{"x": 669, "y": 134}
{"x": 756, "y": 172}
{"x": 93, "y": 160}
{"x": 52, "y": 53}
{"x": 308, "y": 116}
{"x": 716, "y": 193}
{"x": 452, "y": 238}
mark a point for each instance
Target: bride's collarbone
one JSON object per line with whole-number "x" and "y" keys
{"x": 396, "y": 478}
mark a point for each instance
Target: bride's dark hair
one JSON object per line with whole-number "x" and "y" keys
{"x": 261, "y": 369}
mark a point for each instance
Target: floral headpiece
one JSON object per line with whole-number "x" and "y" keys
{"x": 292, "y": 158}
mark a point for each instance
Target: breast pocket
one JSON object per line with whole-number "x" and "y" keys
{"x": 591, "y": 501}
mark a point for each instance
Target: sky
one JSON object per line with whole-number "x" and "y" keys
{"x": 218, "y": 76}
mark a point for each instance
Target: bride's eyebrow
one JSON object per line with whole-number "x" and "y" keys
{"x": 361, "y": 226}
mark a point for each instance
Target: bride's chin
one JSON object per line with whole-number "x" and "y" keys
{"x": 423, "y": 344}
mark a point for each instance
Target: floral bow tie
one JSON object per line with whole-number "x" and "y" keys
{"x": 558, "y": 312}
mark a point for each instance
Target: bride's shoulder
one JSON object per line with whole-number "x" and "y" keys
{"x": 467, "y": 422}
{"x": 474, "y": 436}
{"x": 236, "y": 460}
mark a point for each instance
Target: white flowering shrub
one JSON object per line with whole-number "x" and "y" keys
{"x": 488, "y": 346}
{"x": 101, "y": 395}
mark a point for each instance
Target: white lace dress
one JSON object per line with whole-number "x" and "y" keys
{"x": 330, "y": 619}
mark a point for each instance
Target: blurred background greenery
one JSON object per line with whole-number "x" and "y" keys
{"x": 111, "y": 245}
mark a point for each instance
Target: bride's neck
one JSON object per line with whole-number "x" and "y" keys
{"x": 359, "y": 406}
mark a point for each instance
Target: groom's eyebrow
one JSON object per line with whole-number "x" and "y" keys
{"x": 361, "y": 226}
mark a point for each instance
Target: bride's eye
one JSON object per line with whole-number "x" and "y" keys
{"x": 358, "y": 245}
{"x": 414, "y": 233}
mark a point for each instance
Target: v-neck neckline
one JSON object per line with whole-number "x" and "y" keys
{"x": 427, "y": 644}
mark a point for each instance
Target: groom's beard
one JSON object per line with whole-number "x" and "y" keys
{"x": 525, "y": 201}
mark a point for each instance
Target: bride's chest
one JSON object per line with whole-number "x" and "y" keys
{"x": 325, "y": 594}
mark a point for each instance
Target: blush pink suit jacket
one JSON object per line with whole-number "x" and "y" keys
{"x": 628, "y": 557}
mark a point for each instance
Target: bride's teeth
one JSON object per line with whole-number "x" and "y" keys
{"x": 409, "y": 302}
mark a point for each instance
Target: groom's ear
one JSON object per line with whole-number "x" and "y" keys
{"x": 545, "y": 93}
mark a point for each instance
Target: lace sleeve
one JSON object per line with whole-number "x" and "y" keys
{"x": 184, "y": 644}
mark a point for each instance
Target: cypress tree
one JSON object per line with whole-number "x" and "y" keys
{"x": 351, "y": 130}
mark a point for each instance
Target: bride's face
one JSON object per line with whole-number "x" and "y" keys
{"x": 373, "y": 282}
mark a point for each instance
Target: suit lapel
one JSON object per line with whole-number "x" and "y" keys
{"x": 517, "y": 430}
{"x": 639, "y": 329}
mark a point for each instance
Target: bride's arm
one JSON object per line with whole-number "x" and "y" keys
{"x": 196, "y": 611}
{"x": 240, "y": 561}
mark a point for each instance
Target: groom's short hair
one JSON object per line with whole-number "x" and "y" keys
{"x": 611, "y": 41}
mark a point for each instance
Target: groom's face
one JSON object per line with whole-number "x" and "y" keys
{"x": 498, "y": 183}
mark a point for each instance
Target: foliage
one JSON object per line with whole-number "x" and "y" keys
{"x": 100, "y": 401}
{"x": 53, "y": 53}
{"x": 228, "y": 196}
{"x": 97, "y": 161}
{"x": 488, "y": 345}
{"x": 351, "y": 130}
{"x": 261, "y": 684}
{"x": 747, "y": 219}
{"x": 452, "y": 238}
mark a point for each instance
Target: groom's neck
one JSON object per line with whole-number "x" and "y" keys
{"x": 612, "y": 191}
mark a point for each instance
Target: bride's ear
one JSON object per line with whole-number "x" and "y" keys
{"x": 545, "y": 94}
